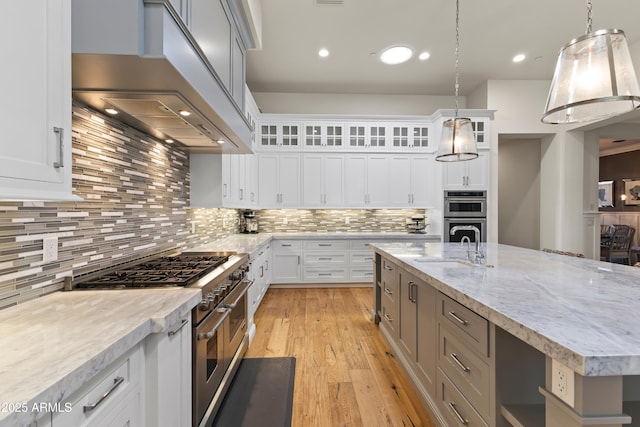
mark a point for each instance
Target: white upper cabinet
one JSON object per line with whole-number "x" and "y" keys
{"x": 322, "y": 180}
{"x": 280, "y": 136}
{"x": 367, "y": 180}
{"x": 35, "y": 158}
{"x": 413, "y": 181}
{"x": 467, "y": 175}
{"x": 278, "y": 180}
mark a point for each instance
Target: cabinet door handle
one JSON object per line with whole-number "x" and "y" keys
{"x": 458, "y": 318}
{"x": 175, "y": 331}
{"x": 459, "y": 416}
{"x": 412, "y": 291}
{"x": 386, "y": 267}
{"x": 224, "y": 190}
{"x": 241, "y": 193}
{"x": 60, "y": 137}
{"x": 266, "y": 263}
{"x": 116, "y": 383}
{"x": 386, "y": 316}
{"x": 298, "y": 259}
{"x": 461, "y": 365}
{"x": 261, "y": 271}
{"x": 388, "y": 291}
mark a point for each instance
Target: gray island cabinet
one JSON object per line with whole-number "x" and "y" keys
{"x": 528, "y": 338}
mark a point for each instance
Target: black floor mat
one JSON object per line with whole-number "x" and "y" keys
{"x": 261, "y": 394}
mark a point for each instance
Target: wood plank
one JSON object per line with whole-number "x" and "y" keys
{"x": 345, "y": 373}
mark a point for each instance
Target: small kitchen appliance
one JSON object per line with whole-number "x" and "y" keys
{"x": 417, "y": 224}
{"x": 249, "y": 222}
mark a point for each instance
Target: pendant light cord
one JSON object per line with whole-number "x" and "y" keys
{"x": 457, "y": 53}
{"x": 589, "y": 18}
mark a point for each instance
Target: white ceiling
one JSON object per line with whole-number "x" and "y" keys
{"x": 491, "y": 33}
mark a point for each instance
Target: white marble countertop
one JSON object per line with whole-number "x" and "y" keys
{"x": 578, "y": 311}
{"x": 248, "y": 243}
{"x": 54, "y": 344}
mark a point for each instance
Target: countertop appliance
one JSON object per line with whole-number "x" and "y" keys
{"x": 417, "y": 224}
{"x": 465, "y": 208}
{"x": 249, "y": 222}
{"x": 219, "y": 321}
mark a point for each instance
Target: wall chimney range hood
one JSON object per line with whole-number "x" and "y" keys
{"x": 138, "y": 57}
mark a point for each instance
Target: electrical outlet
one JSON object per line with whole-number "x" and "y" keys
{"x": 562, "y": 382}
{"x": 49, "y": 249}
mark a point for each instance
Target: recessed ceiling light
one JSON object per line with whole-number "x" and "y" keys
{"x": 185, "y": 113}
{"x": 424, "y": 56}
{"x": 220, "y": 141}
{"x": 169, "y": 141}
{"x": 111, "y": 111}
{"x": 396, "y": 55}
{"x": 519, "y": 57}
{"x": 323, "y": 53}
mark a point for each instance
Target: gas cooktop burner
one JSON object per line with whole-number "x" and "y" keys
{"x": 180, "y": 270}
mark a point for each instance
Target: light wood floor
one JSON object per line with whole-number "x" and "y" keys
{"x": 346, "y": 374}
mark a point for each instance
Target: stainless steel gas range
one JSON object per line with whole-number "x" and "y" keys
{"x": 219, "y": 336}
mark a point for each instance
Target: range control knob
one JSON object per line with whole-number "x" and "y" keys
{"x": 204, "y": 305}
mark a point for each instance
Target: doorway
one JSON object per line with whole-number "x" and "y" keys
{"x": 519, "y": 191}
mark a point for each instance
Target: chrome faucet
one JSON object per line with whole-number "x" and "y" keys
{"x": 478, "y": 255}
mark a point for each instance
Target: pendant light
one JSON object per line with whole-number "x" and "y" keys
{"x": 457, "y": 142}
{"x": 594, "y": 78}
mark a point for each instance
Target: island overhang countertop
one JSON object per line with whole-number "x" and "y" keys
{"x": 580, "y": 312}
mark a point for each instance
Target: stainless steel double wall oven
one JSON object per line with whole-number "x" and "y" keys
{"x": 465, "y": 208}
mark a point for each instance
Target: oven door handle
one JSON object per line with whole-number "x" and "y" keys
{"x": 212, "y": 331}
{"x": 245, "y": 285}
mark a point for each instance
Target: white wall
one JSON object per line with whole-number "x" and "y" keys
{"x": 352, "y": 104}
{"x": 519, "y": 192}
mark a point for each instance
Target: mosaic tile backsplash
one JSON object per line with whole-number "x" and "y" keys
{"x": 331, "y": 221}
{"x": 136, "y": 203}
{"x": 136, "y": 198}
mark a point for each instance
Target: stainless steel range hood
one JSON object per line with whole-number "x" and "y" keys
{"x": 138, "y": 57}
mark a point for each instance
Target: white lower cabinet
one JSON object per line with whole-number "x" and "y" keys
{"x": 113, "y": 397}
{"x": 168, "y": 376}
{"x": 260, "y": 274}
{"x": 286, "y": 261}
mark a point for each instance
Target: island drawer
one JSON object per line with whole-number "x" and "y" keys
{"x": 389, "y": 313}
{"x": 468, "y": 371}
{"x": 455, "y": 408}
{"x": 459, "y": 317}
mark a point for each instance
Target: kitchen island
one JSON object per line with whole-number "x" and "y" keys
{"x": 527, "y": 338}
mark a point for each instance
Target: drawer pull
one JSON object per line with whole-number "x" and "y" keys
{"x": 325, "y": 258}
{"x": 388, "y": 291}
{"x": 386, "y": 267}
{"x": 324, "y": 274}
{"x": 325, "y": 244}
{"x": 116, "y": 383}
{"x": 175, "y": 331}
{"x": 459, "y": 363}
{"x": 285, "y": 244}
{"x": 386, "y": 316}
{"x": 458, "y": 318}
{"x": 460, "y": 418}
